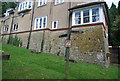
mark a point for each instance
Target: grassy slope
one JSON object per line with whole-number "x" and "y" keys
{"x": 25, "y": 65}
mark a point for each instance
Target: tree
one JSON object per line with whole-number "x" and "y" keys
{"x": 112, "y": 13}
{"x": 114, "y": 26}
{"x": 119, "y": 8}
{"x": 6, "y": 5}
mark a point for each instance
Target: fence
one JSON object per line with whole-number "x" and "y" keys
{"x": 115, "y": 54}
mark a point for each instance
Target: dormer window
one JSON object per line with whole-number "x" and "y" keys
{"x": 26, "y": 5}
{"x": 41, "y": 2}
{"x": 86, "y": 16}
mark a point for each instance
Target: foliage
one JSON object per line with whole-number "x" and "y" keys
{"x": 114, "y": 26}
{"x": 6, "y": 5}
{"x": 14, "y": 41}
{"x": 119, "y": 7}
{"x": 113, "y": 12}
{"x": 25, "y": 65}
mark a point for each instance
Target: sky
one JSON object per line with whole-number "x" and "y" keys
{"x": 109, "y": 2}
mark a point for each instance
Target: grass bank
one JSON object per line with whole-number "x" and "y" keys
{"x": 25, "y": 65}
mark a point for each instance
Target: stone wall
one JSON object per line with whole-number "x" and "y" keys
{"x": 56, "y": 43}
{"x": 89, "y": 46}
{"x": 24, "y": 38}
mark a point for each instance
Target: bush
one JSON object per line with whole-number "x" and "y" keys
{"x": 15, "y": 41}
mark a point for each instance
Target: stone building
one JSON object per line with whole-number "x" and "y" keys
{"x": 42, "y": 25}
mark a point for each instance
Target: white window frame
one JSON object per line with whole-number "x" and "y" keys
{"x": 29, "y": 3}
{"x": 58, "y": 2}
{"x": 53, "y": 25}
{"x": 87, "y": 16}
{"x": 36, "y": 24}
{"x": 15, "y": 26}
{"x": 45, "y": 17}
{"x": 5, "y": 28}
{"x": 43, "y": 2}
{"x": 40, "y": 23}
{"x": 90, "y": 16}
{"x": 23, "y": 6}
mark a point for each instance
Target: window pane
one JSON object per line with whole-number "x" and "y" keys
{"x": 44, "y": 22}
{"x": 59, "y": 1}
{"x": 95, "y": 14}
{"x": 77, "y": 17}
{"x": 55, "y": 24}
{"x": 44, "y": 2}
{"x": 14, "y": 26}
{"x": 6, "y": 28}
{"x": 26, "y": 5}
{"x": 36, "y": 23}
{"x": 40, "y": 23}
{"x": 95, "y": 11}
{"x": 40, "y": 2}
{"x": 29, "y": 5}
{"x": 95, "y": 18}
{"x": 86, "y": 13}
{"x": 86, "y": 18}
{"x": 20, "y": 7}
{"x": 23, "y": 6}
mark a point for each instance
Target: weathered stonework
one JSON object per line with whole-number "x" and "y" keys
{"x": 89, "y": 45}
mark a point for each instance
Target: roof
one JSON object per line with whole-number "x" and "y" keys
{"x": 86, "y": 4}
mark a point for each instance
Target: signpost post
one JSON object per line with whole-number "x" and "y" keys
{"x": 67, "y": 45}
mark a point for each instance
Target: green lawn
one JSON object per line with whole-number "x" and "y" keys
{"x": 25, "y": 65}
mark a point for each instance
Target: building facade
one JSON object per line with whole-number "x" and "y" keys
{"x": 43, "y": 25}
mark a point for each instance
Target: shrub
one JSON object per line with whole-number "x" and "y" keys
{"x": 15, "y": 41}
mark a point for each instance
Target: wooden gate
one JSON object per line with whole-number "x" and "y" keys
{"x": 115, "y": 54}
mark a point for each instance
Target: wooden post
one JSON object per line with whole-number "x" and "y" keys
{"x": 11, "y": 28}
{"x": 31, "y": 25}
{"x": 67, "y": 51}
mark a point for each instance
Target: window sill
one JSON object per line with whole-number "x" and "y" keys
{"x": 41, "y": 5}
{"x": 39, "y": 28}
{"x": 25, "y": 10}
{"x": 58, "y": 4}
{"x": 54, "y": 28}
{"x": 86, "y": 24}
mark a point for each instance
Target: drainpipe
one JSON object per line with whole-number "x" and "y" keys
{"x": 1, "y": 32}
{"x": 42, "y": 43}
{"x": 11, "y": 28}
{"x": 31, "y": 25}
